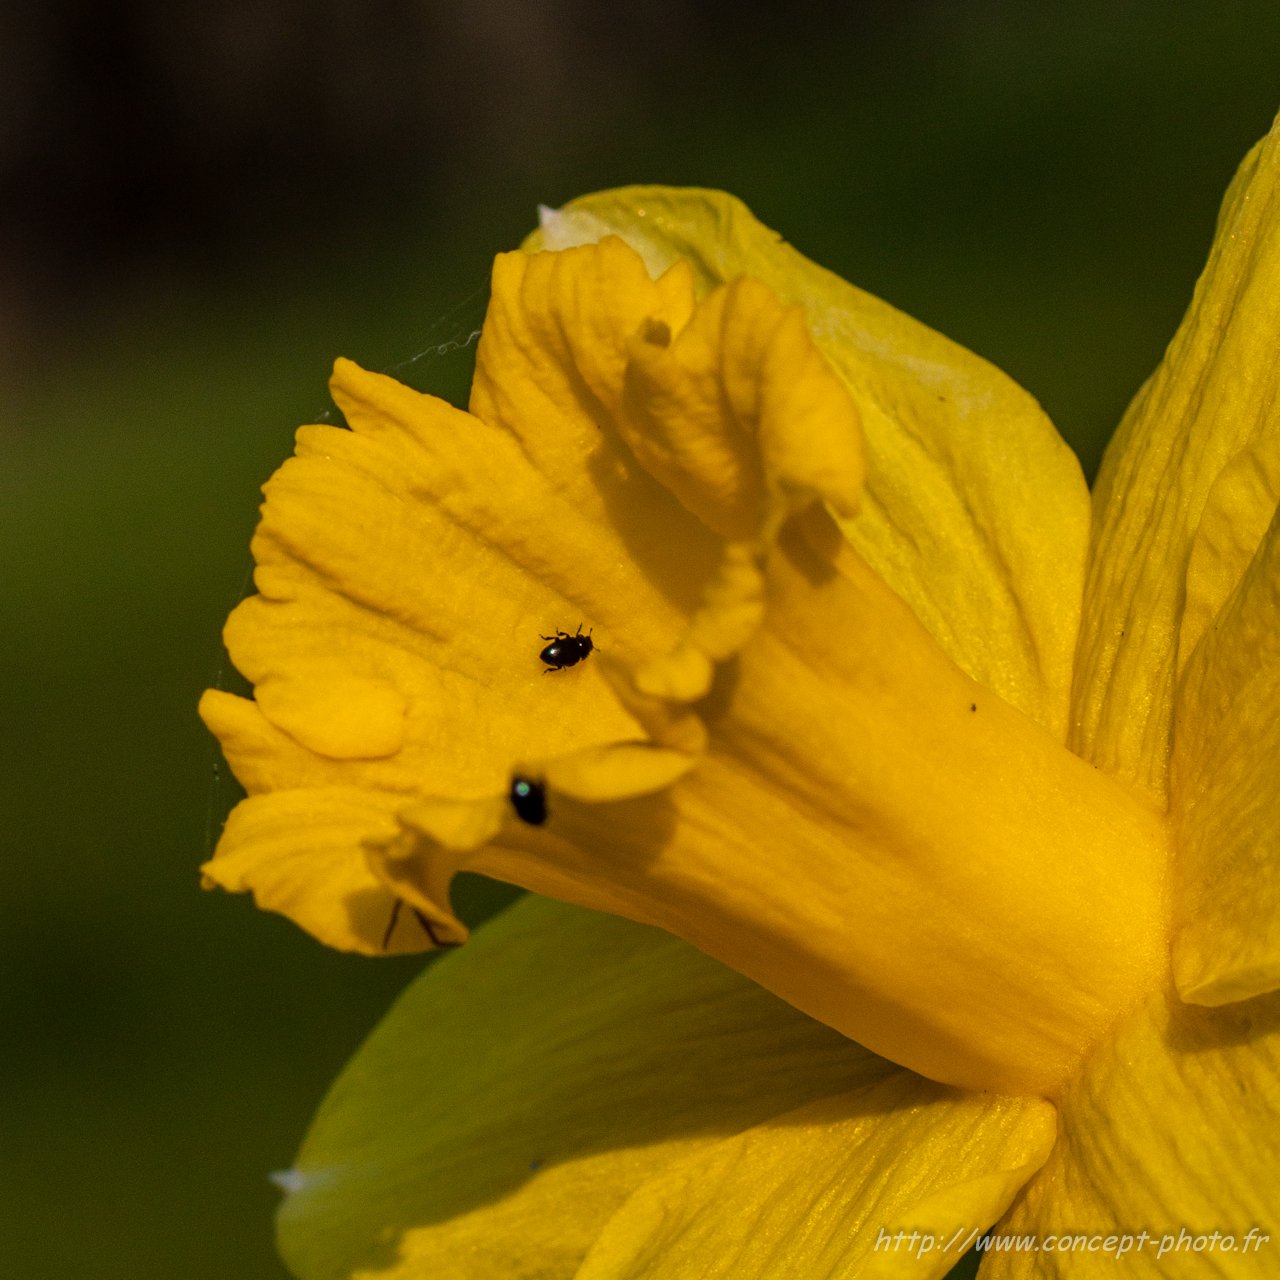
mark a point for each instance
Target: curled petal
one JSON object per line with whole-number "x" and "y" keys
{"x": 403, "y": 599}
{"x": 974, "y": 510}
{"x": 740, "y": 405}
{"x": 294, "y": 850}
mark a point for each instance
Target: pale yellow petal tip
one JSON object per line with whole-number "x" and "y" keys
{"x": 564, "y": 228}
{"x": 607, "y": 256}
{"x": 662, "y": 714}
{"x": 316, "y": 697}
{"x": 574, "y": 225}
{"x": 351, "y": 383}
{"x": 292, "y": 1182}
{"x": 223, "y": 873}
{"x": 629, "y": 211}
{"x": 684, "y": 675}
{"x": 346, "y": 372}
{"x": 618, "y": 771}
{"x": 1215, "y": 988}
{"x": 455, "y": 825}
{"x": 730, "y": 613}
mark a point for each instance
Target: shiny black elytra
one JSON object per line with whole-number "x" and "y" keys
{"x": 566, "y": 650}
{"x": 528, "y": 798}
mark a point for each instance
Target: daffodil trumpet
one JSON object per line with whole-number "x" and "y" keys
{"x": 865, "y": 702}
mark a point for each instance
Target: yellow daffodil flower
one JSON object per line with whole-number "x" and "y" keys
{"x": 741, "y": 605}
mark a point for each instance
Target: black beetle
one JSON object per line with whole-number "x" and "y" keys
{"x": 566, "y": 650}
{"x": 528, "y": 798}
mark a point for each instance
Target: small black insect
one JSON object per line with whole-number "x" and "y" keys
{"x": 529, "y": 799}
{"x": 566, "y": 650}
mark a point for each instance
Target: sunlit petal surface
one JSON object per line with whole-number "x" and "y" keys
{"x": 1196, "y": 450}
{"x": 820, "y": 572}
{"x": 834, "y": 1190}
{"x": 1227, "y": 796}
{"x": 494, "y": 1123}
{"x": 975, "y": 511}
{"x": 1171, "y": 1130}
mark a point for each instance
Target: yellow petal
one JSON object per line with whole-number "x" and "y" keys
{"x": 549, "y": 379}
{"x": 299, "y": 852}
{"x": 410, "y": 569}
{"x": 877, "y": 1182}
{"x": 1236, "y": 514}
{"x": 975, "y": 511}
{"x": 1211, "y": 402}
{"x": 873, "y": 837}
{"x": 407, "y": 567}
{"x": 1226, "y": 796}
{"x": 368, "y": 583}
{"x": 404, "y": 564}
{"x": 523, "y": 1087}
{"x": 1169, "y": 1131}
{"x": 549, "y": 369}
{"x": 263, "y": 757}
{"x": 740, "y": 403}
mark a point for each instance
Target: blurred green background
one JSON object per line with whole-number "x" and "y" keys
{"x": 204, "y": 205}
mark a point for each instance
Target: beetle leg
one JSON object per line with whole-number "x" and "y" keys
{"x": 391, "y": 924}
